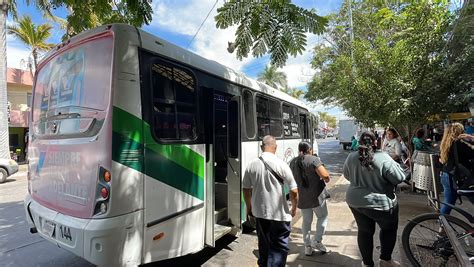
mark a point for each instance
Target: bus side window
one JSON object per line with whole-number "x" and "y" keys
{"x": 268, "y": 117}
{"x": 303, "y": 126}
{"x": 174, "y": 102}
{"x": 290, "y": 121}
{"x": 249, "y": 114}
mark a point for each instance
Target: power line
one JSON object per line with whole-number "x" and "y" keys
{"x": 190, "y": 42}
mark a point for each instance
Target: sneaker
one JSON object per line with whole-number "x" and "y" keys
{"x": 390, "y": 263}
{"x": 320, "y": 247}
{"x": 308, "y": 251}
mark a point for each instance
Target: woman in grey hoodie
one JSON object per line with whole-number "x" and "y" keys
{"x": 371, "y": 197}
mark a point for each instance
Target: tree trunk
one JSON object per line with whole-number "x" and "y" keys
{"x": 4, "y": 136}
{"x": 35, "y": 59}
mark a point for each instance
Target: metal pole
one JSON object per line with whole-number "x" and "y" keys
{"x": 435, "y": 176}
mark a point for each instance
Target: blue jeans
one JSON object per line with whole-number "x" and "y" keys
{"x": 322, "y": 216}
{"x": 272, "y": 242}
{"x": 450, "y": 194}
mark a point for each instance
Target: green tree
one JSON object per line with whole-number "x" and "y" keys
{"x": 392, "y": 75}
{"x": 35, "y": 37}
{"x": 275, "y": 27}
{"x": 89, "y": 14}
{"x": 324, "y": 116}
{"x": 272, "y": 77}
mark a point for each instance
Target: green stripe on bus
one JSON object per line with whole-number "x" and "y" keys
{"x": 129, "y": 153}
{"x": 129, "y": 125}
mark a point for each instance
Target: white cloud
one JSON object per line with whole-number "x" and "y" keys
{"x": 185, "y": 17}
{"x": 16, "y": 54}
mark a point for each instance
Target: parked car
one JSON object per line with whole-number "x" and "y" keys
{"x": 7, "y": 168}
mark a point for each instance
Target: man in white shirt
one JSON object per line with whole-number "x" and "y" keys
{"x": 265, "y": 199}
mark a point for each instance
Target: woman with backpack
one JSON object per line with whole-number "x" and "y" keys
{"x": 311, "y": 178}
{"x": 455, "y": 151}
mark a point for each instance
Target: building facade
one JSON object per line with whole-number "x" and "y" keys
{"x": 19, "y": 90}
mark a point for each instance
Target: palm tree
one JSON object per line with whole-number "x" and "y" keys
{"x": 272, "y": 77}
{"x": 294, "y": 92}
{"x": 33, "y": 36}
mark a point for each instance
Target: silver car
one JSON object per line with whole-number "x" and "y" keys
{"x": 7, "y": 168}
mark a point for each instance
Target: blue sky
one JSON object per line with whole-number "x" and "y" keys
{"x": 178, "y": 21}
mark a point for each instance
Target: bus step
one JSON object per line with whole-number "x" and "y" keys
{"x": 220, "y": 215}
{"x": 221, "y": 230}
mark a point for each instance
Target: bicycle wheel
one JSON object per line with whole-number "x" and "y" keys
{"x": 425, "y": 245}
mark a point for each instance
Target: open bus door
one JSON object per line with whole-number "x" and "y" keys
{"x": 223, "y": 181}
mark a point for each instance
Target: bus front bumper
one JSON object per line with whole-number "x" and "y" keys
{"x": 110, "y": 241}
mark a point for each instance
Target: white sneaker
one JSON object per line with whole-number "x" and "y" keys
{"x": 320, "y": 247}
{"x": 390, "y": 263}
{"x": 308, "y": 251}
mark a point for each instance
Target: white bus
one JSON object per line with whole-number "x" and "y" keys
{"x": 138, "y": 146}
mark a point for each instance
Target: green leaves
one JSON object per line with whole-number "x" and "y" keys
{"x": 272, "y": 77}
{"x": 398, "y": 74}
{"x": 87, "y": 14}
{"x": 272, "y": 26}
{"x": 32, "y": 36}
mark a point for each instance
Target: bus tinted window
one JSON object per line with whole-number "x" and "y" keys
{"x": 77, "y": 77}
{"x": 290, "y": 121}
{"x": 268, "y": 117}
{"x": 174, "y": 102}
{"x": 249, "y": 114}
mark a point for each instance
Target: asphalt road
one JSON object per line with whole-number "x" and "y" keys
{"x": 20, "y": 248}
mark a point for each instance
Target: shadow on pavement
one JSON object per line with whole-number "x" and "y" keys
{"x": 201, "y": 257}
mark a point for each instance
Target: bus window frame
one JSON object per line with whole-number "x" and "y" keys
{"x": 299, "y": 111}
{"x": 147, "y": 104}
{"x": 254, "y": 115}
{"x": 268, "y": 97}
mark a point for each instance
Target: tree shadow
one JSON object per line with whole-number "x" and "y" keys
{"x": 201, "y": 257}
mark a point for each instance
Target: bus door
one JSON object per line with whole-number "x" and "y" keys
{"x": 223, "y": 179}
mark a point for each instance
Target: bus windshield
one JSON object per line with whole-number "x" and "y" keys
{"x": 79, "y": 77}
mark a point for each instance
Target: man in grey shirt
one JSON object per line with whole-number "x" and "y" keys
{"x": 265, "y": 199}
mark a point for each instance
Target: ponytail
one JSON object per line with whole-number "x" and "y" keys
{"x": 367, "y": 147}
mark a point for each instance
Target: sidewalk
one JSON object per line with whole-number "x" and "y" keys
{"x": 341, "y": 234}
{"x": 340, "y": 237}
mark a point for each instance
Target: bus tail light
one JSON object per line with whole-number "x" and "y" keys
{"x": 102, "y": 192}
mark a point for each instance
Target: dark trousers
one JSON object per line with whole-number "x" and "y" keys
{"x": 272, "y": 242}
{"x": 388, "y": 223}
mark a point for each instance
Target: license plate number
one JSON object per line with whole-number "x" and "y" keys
{"x": 64, "y": 233}
{"x": 49, "y": 228}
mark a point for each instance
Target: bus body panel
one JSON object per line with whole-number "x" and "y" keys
{"x": 127, "y": 126}
{"x": 174, "y": 215}
{"x": 104, "y": 242}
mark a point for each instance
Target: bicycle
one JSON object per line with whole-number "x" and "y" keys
{"x": 427, "y": 242}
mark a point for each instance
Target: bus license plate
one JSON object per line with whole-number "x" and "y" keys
{"x": 48, "y": 228}
{"x": 64, "y": 233}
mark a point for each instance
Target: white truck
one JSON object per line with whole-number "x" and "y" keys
{"x": 347, "y": 129}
